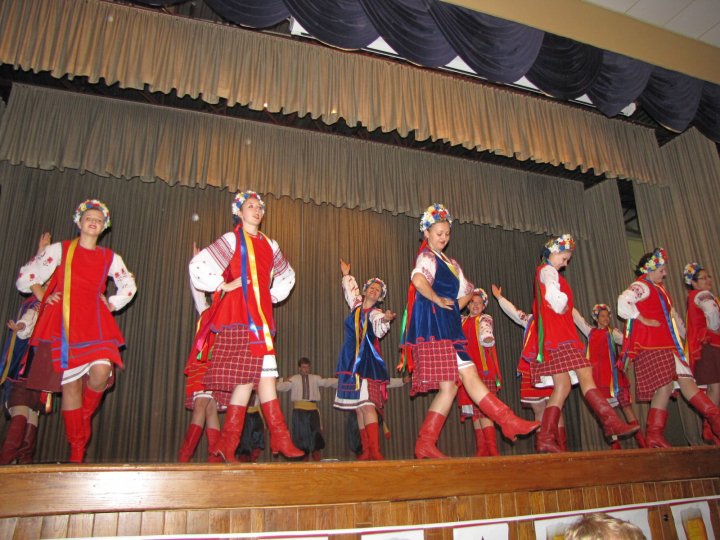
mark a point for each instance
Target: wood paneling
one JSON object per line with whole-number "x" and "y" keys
{"x": 73, "y": 501}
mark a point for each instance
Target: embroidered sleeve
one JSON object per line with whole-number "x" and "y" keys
{"x": 516, "y": 315}
{"x": 29, "y": 318}
{"x": 486, "y": 335}
{"x": 627, "y": 301}
{"x": 124, "y": 283}
{"x": 351, "y": 291}
{"x": 207, "y": 267}
{"x": 465, "y": 286}
{"x": 283, "y": 275}
{"x": 553, "y": 295}
{"x": 39, "y": 269}
{"x": 709, "y": 306}
{"x": 380, "y": 327}
{"x": 330, "y": 382}
{"x": 426, "y": 265}
{"x": 581, "y": 323}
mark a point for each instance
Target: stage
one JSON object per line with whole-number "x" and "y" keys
{"x": 61, "y": 501}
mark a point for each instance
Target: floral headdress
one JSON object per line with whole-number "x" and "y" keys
{"x": 597, "y": 308}
{"x": 482, "y": 294}
{"x": 562, "y": 243}
{"x": 434, "y": 213}
{"x": 92, "y": 204}
{"x": 243, "y": 196}
{"x": 658, "y": 259}
{"x": 691, "y": 271}
{"x": 383, "y": 287}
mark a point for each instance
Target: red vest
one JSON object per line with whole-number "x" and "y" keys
{"x": 651, "y": 337}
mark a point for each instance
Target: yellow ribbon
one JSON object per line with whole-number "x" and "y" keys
{"x": 252, "y": 266}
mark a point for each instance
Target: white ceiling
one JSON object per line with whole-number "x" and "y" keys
{"x": 697, "y": 19}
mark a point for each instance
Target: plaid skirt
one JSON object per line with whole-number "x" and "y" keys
{"x": 561, "y": 360}
{"x": 232, "y": 364}
{"x": 654, "y": 368}
{"x": 435, "y": 362}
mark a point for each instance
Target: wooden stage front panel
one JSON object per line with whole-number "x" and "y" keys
{"x": 89, "y": 500}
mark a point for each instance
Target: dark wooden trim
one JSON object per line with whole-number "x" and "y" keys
{"x": 69, "y": 489}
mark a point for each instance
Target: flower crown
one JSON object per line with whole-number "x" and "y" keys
{"x": 658, "y": 259}
{"x": 243, "y": 196}
{"x": 597, "y": 308}
{"x": 482, "y": 294}
{"x": 92, "y": 204}
{"x": 383, "y": 287}
{"x": 434, "y": 213}
{"x": 562, "y": 243}
{"x": 691, "y": 271}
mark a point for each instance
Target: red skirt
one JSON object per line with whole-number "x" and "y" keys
{"x": 654, "y": 368}
{"x": 435, "y": 362}
{"x": 232, "y": 364}
{"x": 561, "y": 360}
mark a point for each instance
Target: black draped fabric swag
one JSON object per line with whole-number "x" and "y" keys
{"x": 431, "y": 33}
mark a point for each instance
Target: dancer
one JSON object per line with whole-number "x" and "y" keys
{"x": 703, "y": 335}
{"x": 362, "y": 373}
{"x": 610, "y": 379}
{"x": 553, "y": 348}
{"x": 304, "y": 389}
{"x": 652, "y": 341}
{"x": 434, "y": 346}
{"x": 252, "y": 274}
{"x": 530, "y": 396}
{"x": 76, "y": 336}
{"x": 23, "y": 405}
{"x": 478, "y": 329}
{"x": 197, "y": 398}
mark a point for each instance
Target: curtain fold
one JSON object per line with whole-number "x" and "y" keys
{"x": 137, "y": 48}
{"x": 51, "y": 129}
{"x": 496, "y": 49}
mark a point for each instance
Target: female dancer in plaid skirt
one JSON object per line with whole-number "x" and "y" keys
{"x": 433, "y": 337}
{"x": 653, "y": 343}
{"x": 252, "y": 274}
{"x": 553, "y": 348}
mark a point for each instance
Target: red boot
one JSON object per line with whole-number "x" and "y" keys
{"x": 562, "y": 438}
{"x": 75, "y": 433}
{"x": 615, "y": 445}
{"x": 255, "y": 454}
{"x": 230, "y": 434}
{"x": 27, "y": 449}
{"x": 639, "y": 437}
{"x": 90, "y": 402}
{"x": 365, "y": 455}
{"x": 490, "y": 441}
{"x": 213, "y": 436}
{"x": 656, "y": 420}
{"x": 546, "y": 440}
{"x": 280, "y": 441}
{"x": 429, "y": 432}
{"x": 13, "y": 439}
{"x": 708, "y": 410}
{"x": 611, "y": 423}
{"x": 373, "y": 434}
{"x": 707, "y": 434}
{"x": 192, "y": 437}
{"x": 501, "y": 414}
{"x": 480, "y": 447}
